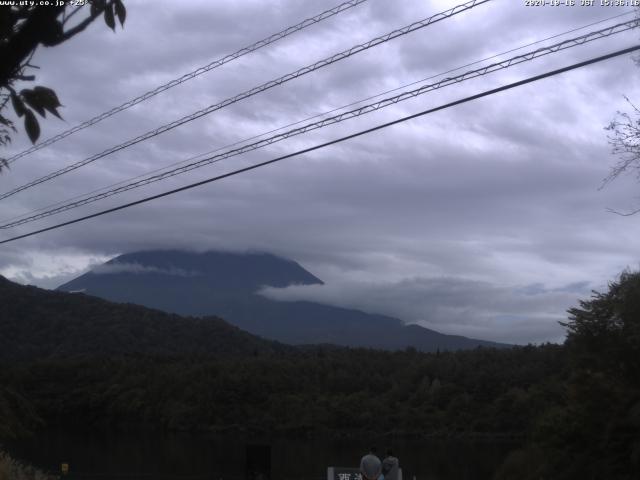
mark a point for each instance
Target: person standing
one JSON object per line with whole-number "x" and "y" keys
{"x": 370, "y": 465}
{"x": 390, "y": 466}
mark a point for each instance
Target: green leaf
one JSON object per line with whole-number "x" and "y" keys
{"x": 18, "y": 106}
{"x": 48, "y": 95}
{"x": 121, "y": 12}
{"x": 109, "y": 19}
{"x": 31, "y": 125}
{"x": 48, "y": 99}
{"x": 42, "y": 100}
{"x": 33, "y": 100}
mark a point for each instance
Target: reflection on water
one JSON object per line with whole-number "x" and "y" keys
{"x": 181, "y": 456}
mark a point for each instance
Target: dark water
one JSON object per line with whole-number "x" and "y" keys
{"x": 188, "y": 456}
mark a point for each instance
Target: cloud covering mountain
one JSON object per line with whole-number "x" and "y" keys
{"x": 233, "y": 286}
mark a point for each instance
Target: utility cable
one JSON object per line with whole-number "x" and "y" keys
{"x": 265, "y": 86}
{"x": 566, "y": 44}
{"x": 188, "y": 76}
{"x": 298, "y": 122}
{"x": 332, "y": 142}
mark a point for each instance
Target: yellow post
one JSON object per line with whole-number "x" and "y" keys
{"x": 64, "y": 468}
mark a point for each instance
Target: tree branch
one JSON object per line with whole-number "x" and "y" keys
{"x": 68, "y": 17}
{"x": 628, "y": 214}
{"x": 26, "y": 40}
{"x": 81, "y": 26}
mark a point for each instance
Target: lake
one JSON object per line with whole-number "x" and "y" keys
{"x": 189, "y": 456}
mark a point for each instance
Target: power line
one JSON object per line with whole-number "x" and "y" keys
{"x": 333, "y": 142}
{"x": 566, "y": 44}
{"x": 30, "y": 213}
{"x": 188, "y": 76}
{"x": 335, "y": 119}
{"x": 265, "y": 86}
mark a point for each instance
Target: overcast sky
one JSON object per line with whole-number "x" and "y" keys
{"x": 484, "y": 220}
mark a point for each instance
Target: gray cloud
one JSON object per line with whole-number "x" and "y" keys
{"x": 138, "y": 269}
{"x": 453, "y": 305}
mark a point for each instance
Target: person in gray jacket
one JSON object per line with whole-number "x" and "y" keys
{"x": 370, "y": 465}
{"x": 390, "y": 466}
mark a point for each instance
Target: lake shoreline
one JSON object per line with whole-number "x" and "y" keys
{"x": 224, "y": 455}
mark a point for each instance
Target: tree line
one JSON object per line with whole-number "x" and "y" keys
{"x": 575, "y": 407}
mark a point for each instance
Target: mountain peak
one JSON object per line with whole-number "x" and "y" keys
{"x": 187, "y": 283}
{"x": 222, "y": 271}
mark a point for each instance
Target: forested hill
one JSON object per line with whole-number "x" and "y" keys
{"x": 227, "y": 285}
{"x": 38, "y": 324}
{"x": 577, "y": 404}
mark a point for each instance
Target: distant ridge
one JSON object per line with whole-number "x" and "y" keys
{"x": 43, "y": 324}
{"x": 225, "y": 284}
